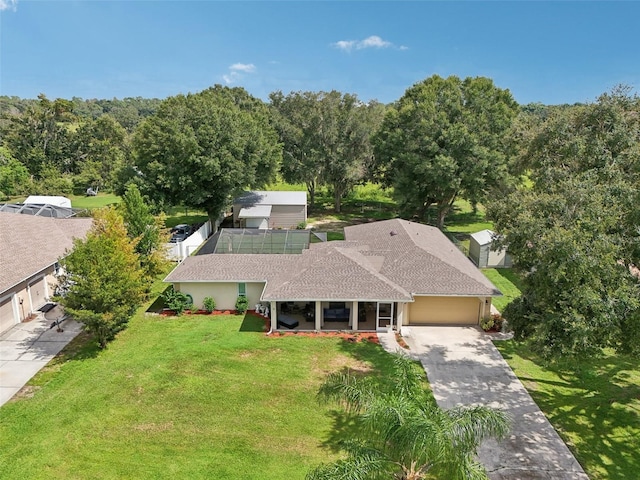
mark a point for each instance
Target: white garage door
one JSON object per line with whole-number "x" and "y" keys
{"x": 6, "y": 315}
{"x": 444, "y": 311}
{"x": 38, "y": 294}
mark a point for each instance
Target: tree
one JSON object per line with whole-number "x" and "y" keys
{"x": 145, "y": 231}
{"x": 201, "y": 149}
{"x": 296, "y": 120}
{"x": 444, "y": 139}
{"x": 103, "y": 284}
{"x": 39, "y": 137}
{"x": 99, "y": 151}
{"x": 14, "y": 176}
{"x": 573, "y": 234}
{"x": 326, "y": 138}
{"x": 403, "y": 433}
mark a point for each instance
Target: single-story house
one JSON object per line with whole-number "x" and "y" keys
{"x": 482, "y": 254}
{"x": 30, "y": 248}
{"x": 264, "y": 210}
{"x": 385, "y": 274}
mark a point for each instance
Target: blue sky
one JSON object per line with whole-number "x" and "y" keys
{"x": 549, "y": 52}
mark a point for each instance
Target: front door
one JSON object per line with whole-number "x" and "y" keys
{"x": 384, "y": 316}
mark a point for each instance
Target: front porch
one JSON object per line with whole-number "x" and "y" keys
{"x": 332, "y": 316}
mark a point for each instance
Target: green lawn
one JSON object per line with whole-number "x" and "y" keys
{"x": 191, "y": 397}
{"x": 594, "y": 405}
{"x": 100, "y": 200}
{"x": 463, "y": 221}
{"x": 507, "y": 282}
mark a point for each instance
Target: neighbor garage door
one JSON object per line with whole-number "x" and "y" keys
{"x": 444, "y": 311}
{"x": 38, "y": 294}
{"x": 6, "y": 315}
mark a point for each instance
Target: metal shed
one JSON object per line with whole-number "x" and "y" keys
{"x": 265, "y": 209}
{"x": 481, "y": 253}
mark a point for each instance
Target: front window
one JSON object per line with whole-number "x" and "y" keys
{"x": 242, "y": 289}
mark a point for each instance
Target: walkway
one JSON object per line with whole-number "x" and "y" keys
{"x": 28, "y": 347}
{"x": 465, "y": 368}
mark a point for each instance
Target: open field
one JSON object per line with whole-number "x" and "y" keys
{"x": 189, "y": 397}
{"x": 593, "y": 404}
{"x": 100, "y": 200}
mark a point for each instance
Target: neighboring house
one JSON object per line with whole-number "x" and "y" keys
{"x": 481, "y": 253}
{"x": 384, "y": 274}
{"x": 30, "y": 247}
{"x": 261, "y": 209}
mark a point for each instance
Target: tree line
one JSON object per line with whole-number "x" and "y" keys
{"x": 559, "y": 182}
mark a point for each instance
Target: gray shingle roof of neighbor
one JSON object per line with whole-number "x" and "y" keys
{"x": 29, "y": 244}
{"x": 386, "y": 260}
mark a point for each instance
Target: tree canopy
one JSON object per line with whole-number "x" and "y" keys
{"x": 201, "y": 149}
{"x": 574, "y": 232}
{"x": 445, "y": 138}
{"x": 103, "y": 282}
{"x": 326, "y": 138}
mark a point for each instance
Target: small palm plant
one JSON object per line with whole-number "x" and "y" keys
{"x": 403, "y": 434}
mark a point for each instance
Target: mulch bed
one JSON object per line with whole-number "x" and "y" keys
{"x": 346, "y": 336}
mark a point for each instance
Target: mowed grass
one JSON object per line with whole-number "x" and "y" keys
{"x": 190, "y": 397}
{"x": 507, "y": 282}
{"x": 594, "y": 405}
{"x": 98, "y": 201}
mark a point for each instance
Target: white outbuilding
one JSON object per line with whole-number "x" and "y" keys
{"x": 270, "y": 209}
{"x": 482, "y": 254}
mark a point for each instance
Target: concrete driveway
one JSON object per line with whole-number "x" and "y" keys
{"x": 465, "y": 368}
{"x": 27, "y": 347}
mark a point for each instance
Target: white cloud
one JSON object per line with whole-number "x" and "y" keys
{"x": 8, "y": 5}
{"x": 373, "y": 41}
{"x": 242, "y": 67}
{"x": 237, "y": 71}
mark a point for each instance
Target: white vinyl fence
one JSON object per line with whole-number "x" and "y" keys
{"x": 181, "y": 250}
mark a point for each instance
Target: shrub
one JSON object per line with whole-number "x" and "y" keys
{"x": 242, "y": 303}
{"x": 302, "y": 225}
{"x": 209, "y": 304}
{"x": 177, "y": 301}
{"x": 486, "y": 324}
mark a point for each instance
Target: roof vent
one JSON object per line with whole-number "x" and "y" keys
{"x": 393, "y": 233}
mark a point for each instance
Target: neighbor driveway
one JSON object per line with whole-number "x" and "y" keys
{"x": 465, "y": 368}
{"x": 27, "y": 347}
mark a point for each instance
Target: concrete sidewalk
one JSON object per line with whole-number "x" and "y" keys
{"x": 464, "y": 368}
{"x": 28, "y": 347}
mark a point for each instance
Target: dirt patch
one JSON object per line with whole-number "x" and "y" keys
{"x": 28, "y": 391}
{"x": 330, "y": 223}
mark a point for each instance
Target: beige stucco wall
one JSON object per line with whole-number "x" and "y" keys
{"x": 444, "y": 310}
{"x": 224, "y": 293}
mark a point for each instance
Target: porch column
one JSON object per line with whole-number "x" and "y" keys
{"x": 354, "y": 315}
{"x": 400, "y": 317}
{"x": 318, "y": 315}
{"x": 274, "y": 316}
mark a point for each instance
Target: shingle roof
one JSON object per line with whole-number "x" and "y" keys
{"x": 30, "y": 244}
{"x": 387, "y": 260}
{"x": 421, "y": 258}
